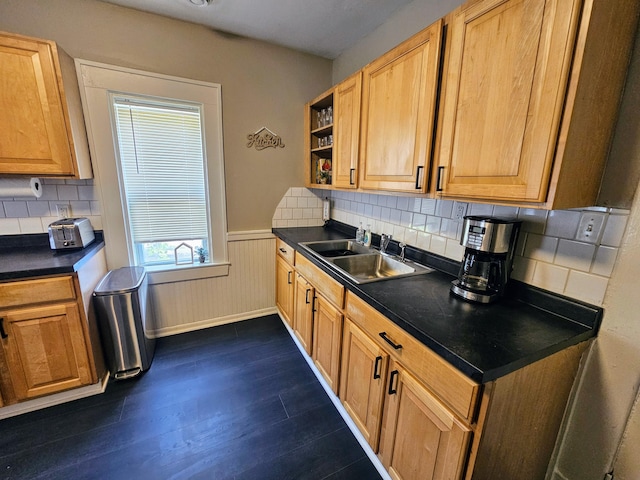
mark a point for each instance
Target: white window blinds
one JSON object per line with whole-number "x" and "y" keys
{"x": 162, "y": 169}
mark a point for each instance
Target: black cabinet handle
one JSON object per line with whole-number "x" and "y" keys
{"x": 439, "y": 179}
{"x": 396, "y": 346}
{"x": 283, "y": 250}
{"x": 289, "y": 277}
{"x": 306, "y": 295}
{"x": 376, "y": 372}
{"x": 313, "y": 304}
{"x": 418, "y": 170}
{"x": 3, "y": 334}
{"x": 394, "y": 374}
{"x": 351, "y": 172}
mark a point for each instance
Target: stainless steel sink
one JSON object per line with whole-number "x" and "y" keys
{"x": 337, "y": 248}
{"x": 362, "y": 264}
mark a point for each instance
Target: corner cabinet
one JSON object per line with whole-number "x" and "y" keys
{"x": 42, "y": 130}
{"x": 399, "y": 92}
{"x": 527, "y": 116}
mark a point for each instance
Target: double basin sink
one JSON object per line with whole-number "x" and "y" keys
{"x": 362, "y": 264}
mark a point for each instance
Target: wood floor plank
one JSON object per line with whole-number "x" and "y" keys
{"x": 219, "y": 403}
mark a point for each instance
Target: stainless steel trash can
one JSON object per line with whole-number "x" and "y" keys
{"x": 124, "y": 316}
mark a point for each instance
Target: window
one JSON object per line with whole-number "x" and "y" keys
{"x": 162, "y": 175}
{"x": 157, "y": 155}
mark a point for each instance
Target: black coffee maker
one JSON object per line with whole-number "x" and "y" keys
{"x": 488, "y": 257}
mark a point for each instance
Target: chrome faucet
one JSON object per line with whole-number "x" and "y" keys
{"x": 402, "y": 247}
{"x": 384, "y": 242}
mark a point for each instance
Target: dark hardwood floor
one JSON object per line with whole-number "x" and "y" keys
{"x": 230, "y": 402}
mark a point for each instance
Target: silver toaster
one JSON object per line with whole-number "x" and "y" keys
{"x": 70, "y": 233}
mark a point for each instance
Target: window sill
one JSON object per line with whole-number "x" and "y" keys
{"x": 183, "y": 273}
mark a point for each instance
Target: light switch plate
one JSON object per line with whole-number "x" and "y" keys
{"x": 590, "y": 226}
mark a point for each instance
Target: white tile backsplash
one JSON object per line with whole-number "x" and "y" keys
{"x": 547, "y": 255}
{"x": 575, "y": 255}
{"x": 562, "y": 223}
{"x": 33, "y": 215}
{"x": 589, "y": 288}
{"x": 301, "y": 207}
{"x": 550, "y": 277}
{"x": 614, "y": 228}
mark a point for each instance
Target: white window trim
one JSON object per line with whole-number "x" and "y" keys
{"x": 97, "y": 81}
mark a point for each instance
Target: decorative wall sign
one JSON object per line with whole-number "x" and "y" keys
{"x": 264, "y": 138}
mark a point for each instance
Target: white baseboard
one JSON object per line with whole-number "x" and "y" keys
{"x": 54, "y": 399}
{"x": 341, "y": 410}
{"x": 212, "y": 322}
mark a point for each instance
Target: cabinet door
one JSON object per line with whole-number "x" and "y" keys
{"x": 284, "y": 289}
{"x": 303, "y": 316}
{"x": 34, "y": 138}
{"x": 420, "y": 439}
{"x": 362, "y": 382}
{"x": 327, "y": 336}
{"x": 346, "y": 131}
{"x": 504, "y": 91}
{"x": 399, "y": 96}
{"x": 46, "y": 350}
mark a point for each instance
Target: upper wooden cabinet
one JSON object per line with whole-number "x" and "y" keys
{"x": 346, "y": 99}
{"x": 42, "y": 129}
{"x": 527, "y": 115}
{"x": 399, "y": 93}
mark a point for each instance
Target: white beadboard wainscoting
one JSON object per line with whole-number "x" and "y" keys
{"x": 247, "y": 292}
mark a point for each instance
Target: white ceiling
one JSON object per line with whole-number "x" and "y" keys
{"x": 322, "y": 27}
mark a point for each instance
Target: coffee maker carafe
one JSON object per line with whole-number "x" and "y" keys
{"x": 489, "y": 247}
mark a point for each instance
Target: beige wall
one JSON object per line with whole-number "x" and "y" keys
{"x": 404, "y": 23}
{"x": 262, "y": 84}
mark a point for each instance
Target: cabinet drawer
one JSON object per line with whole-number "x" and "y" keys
{"x": 285, "y": 251}
{"x": 331, "y": 289}
{"x": 13, "y": 294}
{"x": 458, "y": 391}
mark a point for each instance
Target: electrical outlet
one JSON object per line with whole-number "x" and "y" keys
{"x": 590, "y": 226}
{"x": 459, "y": 210}
{"x": 63, "y": 210}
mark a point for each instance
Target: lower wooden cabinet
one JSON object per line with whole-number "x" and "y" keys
{"x": 49, "y": 335}
{"x": 423, "y": 418}
{"x": 285, "y": 289}
{"x": 420, "y": 439}
{"x": 417, "y": 437}
{"x": 303, "y": 313}
{"x": 327, "y": 337}
{"x": 46, "y": 350}
{"x": 364, "y": 372}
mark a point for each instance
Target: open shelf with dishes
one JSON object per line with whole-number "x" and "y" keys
{"x": 319, "y": 141}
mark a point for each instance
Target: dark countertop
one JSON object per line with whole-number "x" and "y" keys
{"x": 25, "y": 256}
{"x": 484, "y": 342}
